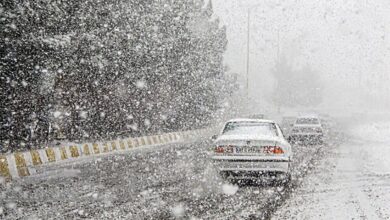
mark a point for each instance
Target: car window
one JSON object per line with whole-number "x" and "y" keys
{"x": 250, "y": 128}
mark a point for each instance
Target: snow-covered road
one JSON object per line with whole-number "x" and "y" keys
{"x": 353, "y": 182}
{"x": 160, "y": 182}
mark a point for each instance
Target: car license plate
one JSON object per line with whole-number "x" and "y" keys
{"x": 249, "y": 150}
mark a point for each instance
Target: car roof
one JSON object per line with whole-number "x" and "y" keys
{"x": 251, "y": 120}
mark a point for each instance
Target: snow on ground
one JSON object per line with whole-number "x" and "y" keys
{"x": 353, "y": 182}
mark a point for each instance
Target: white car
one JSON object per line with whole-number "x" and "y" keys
{"x": 252, "y": 149}
{"x": 307, "y": 129}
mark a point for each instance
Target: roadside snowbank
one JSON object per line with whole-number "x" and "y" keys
{"x": 376, "y": 132}
{"x": 352, "y": 181}
{"x": 375, "y": 138}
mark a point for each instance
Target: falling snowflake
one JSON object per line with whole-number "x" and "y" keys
{"x": 147, "y": 122}
{"x": 57, "y": 114}
{"x": 80, "y": 212}
{"x": 83, "y": 114}
{"x": 178, "y": 210}
{"x": 140, "y": 84}
{"x": 163, "y": 117}
{"x": 229, "y": 189}
{"x": 95, "y": 196}
{"x": 11, "y": 205}
{"x": 134, "y": 127}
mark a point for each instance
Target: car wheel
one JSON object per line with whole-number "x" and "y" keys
{"x": 282, "y": 181}
{"x": 224, "y": 174}
{"x": 288, "y": 178}
{"x": 285, "y": 181}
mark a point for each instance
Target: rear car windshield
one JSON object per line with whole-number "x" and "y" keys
{"x": 307, "y": 121}
{"x": 250, "y": 128}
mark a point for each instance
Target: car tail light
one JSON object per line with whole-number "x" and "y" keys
{"x": 219, "y": 149}
{"x": 274, "y": 150}
{"x": 278, "y": 150}
{"x": 223, "y": 149}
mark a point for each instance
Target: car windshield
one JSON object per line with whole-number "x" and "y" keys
{"x": 250, "y": 128}
{"x": 307, "y": 121}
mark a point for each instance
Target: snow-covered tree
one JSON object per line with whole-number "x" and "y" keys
{"x": 93, "y": 69}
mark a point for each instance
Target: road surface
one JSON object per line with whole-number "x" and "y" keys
{"x": 166, "y": 182}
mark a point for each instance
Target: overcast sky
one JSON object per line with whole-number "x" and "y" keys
{"x": 348, "y": 41}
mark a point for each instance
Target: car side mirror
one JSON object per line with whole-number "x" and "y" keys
{"x": 214, "y": 137}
